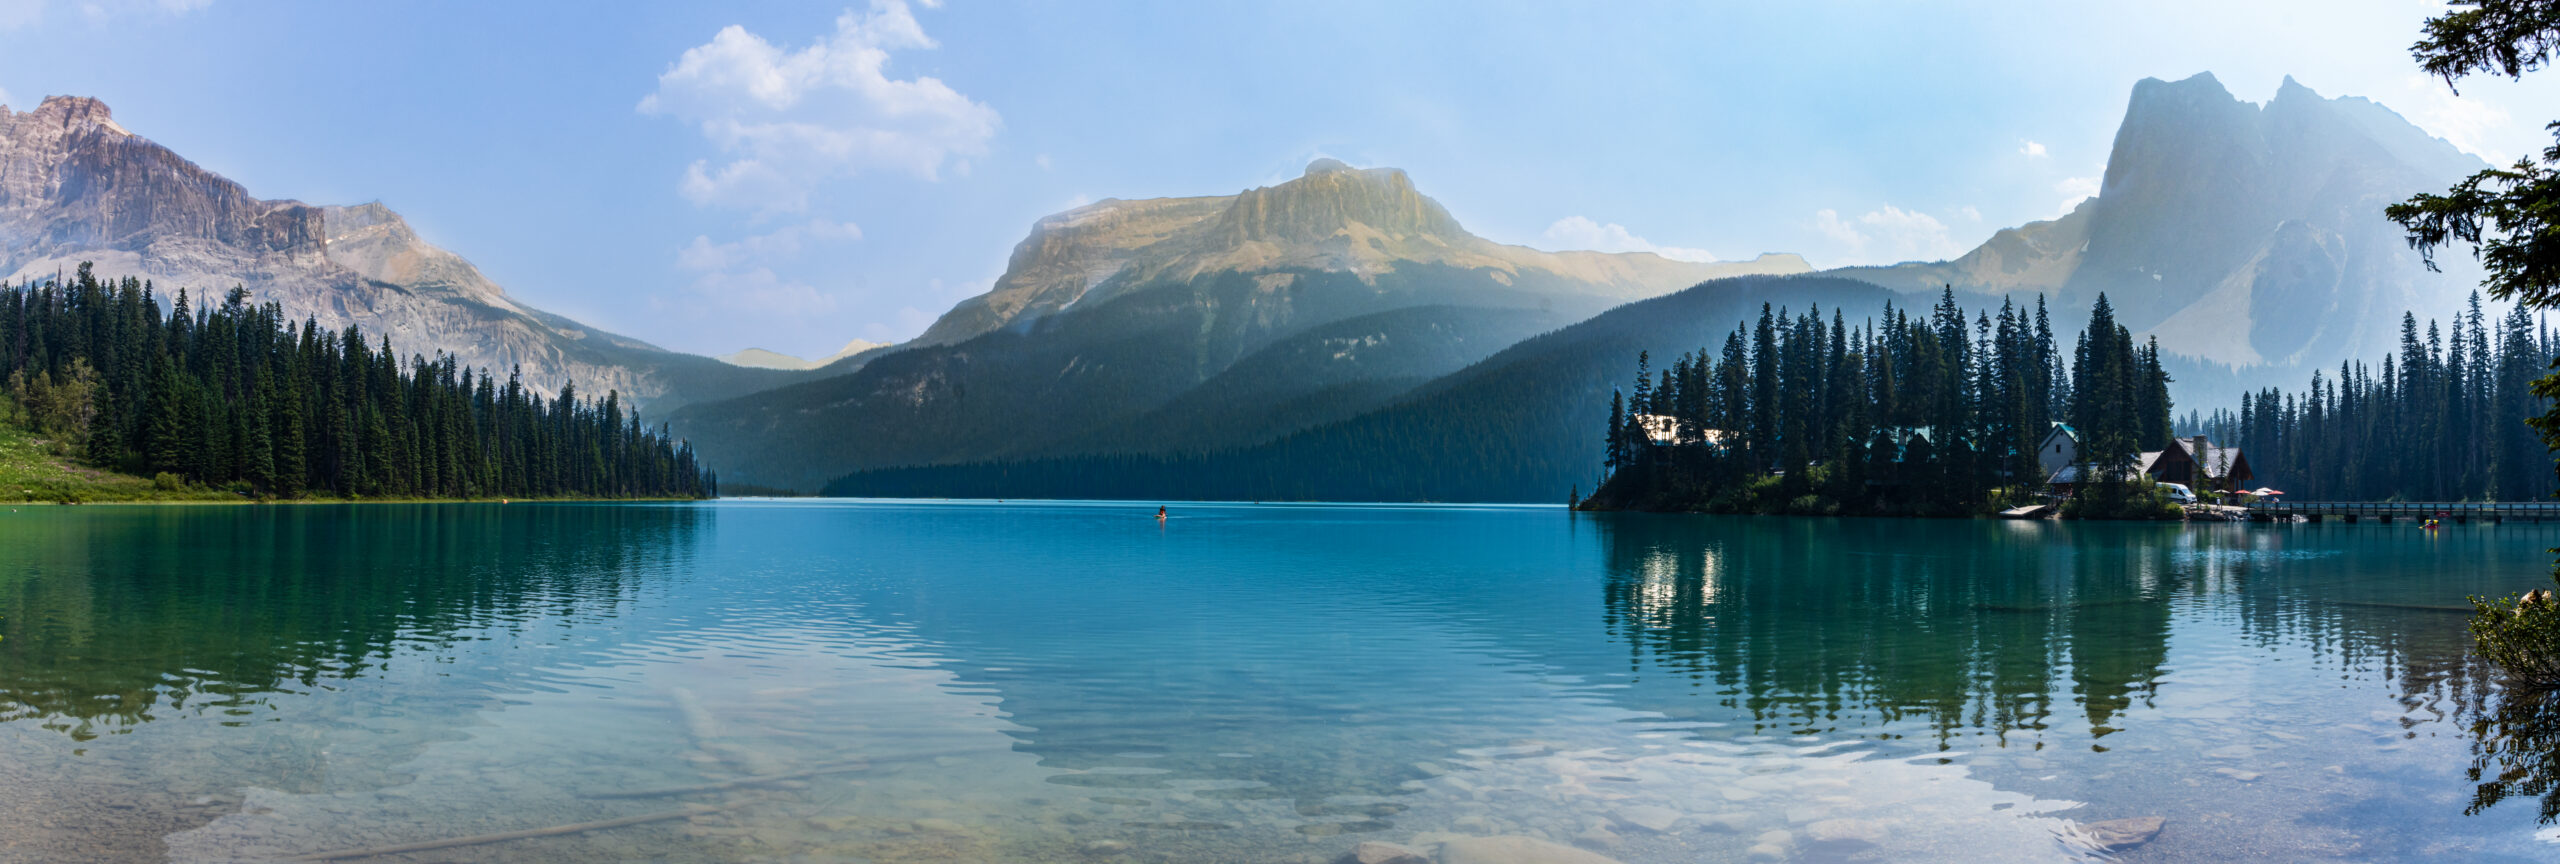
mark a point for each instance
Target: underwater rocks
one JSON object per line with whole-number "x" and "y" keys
{"x": 1374, "y": 852}
{"x": 1514, "y": 850}
{"x": 2117, "y": 835}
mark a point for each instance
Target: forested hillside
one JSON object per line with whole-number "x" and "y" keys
{"x": 2444, "y": 419}
{"x": 233, "y": 395}
{"x": 1086, "y": 375}
{"x": 1518, "y": 426}
{"x": 1177, "y": 324}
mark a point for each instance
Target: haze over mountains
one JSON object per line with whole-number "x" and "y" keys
{"x": 1336, "y": 218}
{"x": 1338, "y": 334}
{"x": 2249, "y": 239}
{"x": 1139, "y": 326}
{"x": 2239, "y": 234}
{"x": 75, "y": 186}
{"x": 758, "y": 358}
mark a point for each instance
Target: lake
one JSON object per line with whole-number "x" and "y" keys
{"x": 949, "y": 681}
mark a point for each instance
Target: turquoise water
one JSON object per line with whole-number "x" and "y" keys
{"x": 924, "y": 681}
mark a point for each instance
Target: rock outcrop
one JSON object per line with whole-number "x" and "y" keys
{"x": 2240, "y": 234}
{"x": 1333, "y": 218}
{"x": 77, "y": 186}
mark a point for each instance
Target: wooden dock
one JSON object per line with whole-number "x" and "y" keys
{"x": 2457, "y": 512}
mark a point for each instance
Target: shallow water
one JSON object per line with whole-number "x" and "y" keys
{"x": 1074, "y": 682}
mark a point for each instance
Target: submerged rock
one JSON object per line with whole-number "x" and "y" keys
{"x": 1374, "y": 852}
{"x": 2117, "y": 835}
{"x": 1648, "y": 817}
{"x": 1515, "y": 850}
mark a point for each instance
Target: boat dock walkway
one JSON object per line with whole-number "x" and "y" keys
{"x": 2449, "y": 511}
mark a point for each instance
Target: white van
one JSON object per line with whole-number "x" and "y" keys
{"x": 2179, "y": 492}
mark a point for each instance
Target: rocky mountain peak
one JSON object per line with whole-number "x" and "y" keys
{"x": 67, "y": 115}
{"x": 1328, "y": 200}
{"x": 1328, "y": 165}
{"x": 76, "y": 186}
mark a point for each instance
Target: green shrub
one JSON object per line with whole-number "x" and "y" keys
{"x": 2141, "y": 499}
{"x": 167, "y": 482}
{"x": 2521, "y": 635}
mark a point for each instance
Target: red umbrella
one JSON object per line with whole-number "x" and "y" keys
{"x": 2266, "y": 491}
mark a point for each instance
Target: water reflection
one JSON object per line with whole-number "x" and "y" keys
{"x": 1808, "y": 627}
{"x": 1077, "y": 682}
{"x": 1804, "y": 634}
{"x": 2516, "y": 752}
{"x": 112, "y": 619}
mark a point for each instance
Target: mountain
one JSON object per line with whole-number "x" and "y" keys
{"x": 758, "y": 358}
{"x": 1168, "y": 324}
{"x": 2249, "y": 239}
{"x": 2240, "y": 235}
{"x": 1522, "y": 425}
{"x": 75, "y": 186}
{"x": 1335, "y": 218}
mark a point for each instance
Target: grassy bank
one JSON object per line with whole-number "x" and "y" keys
{"x": 35, "y": 469}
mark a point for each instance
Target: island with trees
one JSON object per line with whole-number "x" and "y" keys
{"x": 1935, "y": 415}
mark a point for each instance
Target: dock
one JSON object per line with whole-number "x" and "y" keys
{"x": 2457, "y": 512}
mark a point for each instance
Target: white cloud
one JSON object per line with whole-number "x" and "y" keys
{"x": 2074, "y": 190}
{"x": 2468, "y": 123}
{"x": 702, "y": 255}
{"x": 1041, "y": 160}
{"x": 1969, "y": 213}
{"x": 1887, "y": 235}
{"x": 786, "y": 120}
{"x": 737, "y": 278}
{"x": 2031, "y": 149}
{"x": 752, "y": 292}
{"x": 1578, "y": 232}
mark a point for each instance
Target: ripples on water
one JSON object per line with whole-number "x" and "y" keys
{"x": 1063, "y": 682}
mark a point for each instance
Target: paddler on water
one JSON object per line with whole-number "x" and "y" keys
{"x": 1159, "y": 512}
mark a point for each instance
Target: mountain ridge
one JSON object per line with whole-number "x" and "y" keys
{"x": 2240, "y": 234}
{"x": 1115, "y": 321}
{"x": 1332, "y": 217}
{"x": 77, "y": 186}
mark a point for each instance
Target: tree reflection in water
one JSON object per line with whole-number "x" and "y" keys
{"x": 2515, "y": 751}
{"x": 111, "y": 618}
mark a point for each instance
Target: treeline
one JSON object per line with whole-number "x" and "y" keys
{"x": 2443, "y": 420}
{"x": 234, "y": 396}
{"x": 1939, "y": 414}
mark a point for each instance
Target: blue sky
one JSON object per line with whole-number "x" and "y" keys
{"x": 795, "y": 175}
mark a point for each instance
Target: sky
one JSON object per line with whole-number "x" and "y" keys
{"x": 793, "y": 176}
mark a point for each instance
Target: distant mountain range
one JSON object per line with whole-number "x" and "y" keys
{"x": 2241, "y": 235}
{"x": 75, "y": 186}
{"x": 1186, "y": 323}
{"x": 1336, "y": 335}
{"x": 2248, "y": 239}
{"x": 758, "y": 358}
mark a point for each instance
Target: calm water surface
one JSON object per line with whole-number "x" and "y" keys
{"x": 1074, "y": 682}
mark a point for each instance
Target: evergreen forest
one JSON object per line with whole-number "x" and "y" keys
{"x": 231, "y": 396}
{"x": 1934, "y": 414}
{"x": 2448, "y": 418}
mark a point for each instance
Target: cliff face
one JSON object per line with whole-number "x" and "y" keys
{"x": 1330, "y": 199}
{"x": 1334, "y": 218}
{"x": 75, "y": 186}
{"x": 2241, "y": 234}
